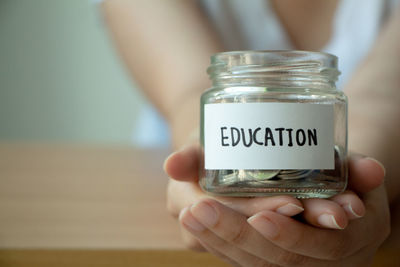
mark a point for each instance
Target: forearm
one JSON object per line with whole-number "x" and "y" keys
{"x": 166, "y": 46}
{"x": 374, "y": 110}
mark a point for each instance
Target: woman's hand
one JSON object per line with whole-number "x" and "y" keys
{"x": 335, "y": 213}
{"x": 269, "y": 238}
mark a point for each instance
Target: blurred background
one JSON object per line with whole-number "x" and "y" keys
{"x": 60, "y": 77}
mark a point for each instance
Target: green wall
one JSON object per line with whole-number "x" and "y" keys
{"x": 60, "y": 78}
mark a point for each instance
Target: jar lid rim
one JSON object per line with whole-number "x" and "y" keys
{"x": 283, "y": 53}
{"x": 274, "y": 65}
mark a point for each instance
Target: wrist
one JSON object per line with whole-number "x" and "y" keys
{"x": 184, "y": 122}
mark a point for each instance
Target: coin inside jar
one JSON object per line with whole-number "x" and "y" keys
{"x": 295, "y": 174}
{"x": 263, "y": 174}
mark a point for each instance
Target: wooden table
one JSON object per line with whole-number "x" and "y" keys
{"x": 69, "y": 205}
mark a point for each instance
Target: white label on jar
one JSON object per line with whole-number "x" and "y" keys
{"x": 268, "y": 136}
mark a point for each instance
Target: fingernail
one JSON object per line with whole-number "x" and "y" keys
{"x": 289, "y": 209}
{"x": 189, "y": 221}
{"x": 184, "y": 147}
{"x": 379, "y": 163}
{"x": 205, "y": 213}
{"x": 166, "y": 160}
{"x": 348, "y": 208}
{"x": 264, "y": 226}
{"x": 357, "y": 156}
{"x": 328, "y": 220}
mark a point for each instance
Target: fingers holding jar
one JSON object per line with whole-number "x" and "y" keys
{"x": 271, "y": 239}
{"x": 345, "y": 211}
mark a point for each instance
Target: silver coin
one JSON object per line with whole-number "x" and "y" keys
{"x": 288, "y": 171}
{"x": 263, "y": 174}
{"x": 295, "y": 175}
{"x": 239, "y": 176}
{"x": 229, "y": 179}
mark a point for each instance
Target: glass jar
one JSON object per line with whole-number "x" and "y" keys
{"x": 273, "y": 123}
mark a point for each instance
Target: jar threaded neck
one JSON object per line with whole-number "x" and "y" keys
{"x": 274, "y": 68}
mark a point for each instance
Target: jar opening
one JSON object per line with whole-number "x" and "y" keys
{"x": 285, "y": 68}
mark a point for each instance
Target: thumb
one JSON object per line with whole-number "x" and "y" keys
{"x": 365, "y": 174}
{"x": 183, "y": 165}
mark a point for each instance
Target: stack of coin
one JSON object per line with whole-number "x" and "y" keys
{"x": 294, "y": 174}
{"x": 263, "y": 176}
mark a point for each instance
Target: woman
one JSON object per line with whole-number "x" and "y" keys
{"x": 166, "y": 46}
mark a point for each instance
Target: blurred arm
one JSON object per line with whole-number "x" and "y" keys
{"x": 374, "y": 105}
{"x": 166, "y": 46}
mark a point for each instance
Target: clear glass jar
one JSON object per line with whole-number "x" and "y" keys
{"x": 272, "y": 124}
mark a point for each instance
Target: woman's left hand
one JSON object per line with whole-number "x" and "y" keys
{"x": 271, "y": 239}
